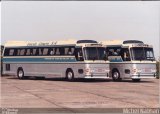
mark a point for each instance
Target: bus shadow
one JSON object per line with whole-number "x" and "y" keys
{"x": 57, "y": 79}
{"x": 130, "y": 81}
{"x": 77, "y": 80}
{"x": 97, "y": 80}
{"x": 81, "y": 80}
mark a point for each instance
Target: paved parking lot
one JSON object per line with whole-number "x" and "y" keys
{"x": 58, "y": 93}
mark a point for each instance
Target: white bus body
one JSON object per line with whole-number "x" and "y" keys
{"x": 70, "y": 59}
{"x": 130, "y": 59}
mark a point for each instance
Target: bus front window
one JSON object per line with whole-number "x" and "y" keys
{"x": 95, "y": 53}
{"x": 142, "y": 53}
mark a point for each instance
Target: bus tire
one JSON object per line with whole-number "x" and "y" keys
{"x": 69, "y": 75}
{"x": 20, "y": 73}
{"x": 116, "y": 75}
{"x": 136, "y": 80}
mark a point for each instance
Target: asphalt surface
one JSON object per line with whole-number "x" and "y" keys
{"x": 58, "y": 93}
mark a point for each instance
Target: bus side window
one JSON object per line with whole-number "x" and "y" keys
{"x": 31, "y": 51}
{"x": 11, "y": 52}
{"x": 18, "y": 52}
{"x": 72, "y": 50}
{"x": 113, "y": 51}
{"x": 28, "y": 52}
{"x": 45, "y": 51}
{"x": 61, "y": 49}
{"x": 57, "y": 51}
{"x": 6, "y": 52}
{"x": 52, "y": 51}
{"x": 110, "y": 51}
{"x": 66, "y": 49}
{"x": 39, "y": 51}
{"x": 69, "y": 51}
{"x": 34, "y": 51}
{"x": 15, "y": 52}
{"x": 22, "y": 52}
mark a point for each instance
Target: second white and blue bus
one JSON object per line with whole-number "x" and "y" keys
{"x": 130, "y": 59}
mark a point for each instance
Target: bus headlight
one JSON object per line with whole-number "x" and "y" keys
{"x": 137, "y": 70}
{"x": 134, "y": 70}
{"x": 107, "y": 70}
{"x": 87, "y": 71}
{"x": 153, "y": 70}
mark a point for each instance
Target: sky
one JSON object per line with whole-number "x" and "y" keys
{"x": 97, "y": 20}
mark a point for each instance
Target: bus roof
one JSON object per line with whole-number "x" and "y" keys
{"x": 125, "y": 43}
{"x": 38, "y": 43}
{"x": 49, "y": 43}
{"x": 113, "y": 42}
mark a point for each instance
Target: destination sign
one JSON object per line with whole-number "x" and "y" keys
{"x": 41, "y": 43}
{"x": 141, "y": 45}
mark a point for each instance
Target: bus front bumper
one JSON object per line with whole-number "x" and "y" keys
{"x": 97, "y": 77}
{"x": 141, "y": 76}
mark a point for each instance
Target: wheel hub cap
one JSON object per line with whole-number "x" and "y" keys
{"x": 20, "y": 73}
{"x": 70, "y": 75}
{"x": 115, "y": 75}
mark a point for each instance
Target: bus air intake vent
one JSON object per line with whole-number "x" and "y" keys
{"x": 86, "y": 41}
{"x": 132, "y": 41}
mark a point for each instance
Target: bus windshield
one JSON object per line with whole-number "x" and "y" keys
{"x": 95, "y": 53}
{"x": 142, "y": 53}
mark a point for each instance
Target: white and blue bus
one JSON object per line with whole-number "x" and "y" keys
{"x": 130, "y": 59}
{"x": 69, "y": 59}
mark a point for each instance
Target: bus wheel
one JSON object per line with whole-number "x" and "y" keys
{"x": 136, "y": 80}
{"x": 20, "y": 74}
{"x": 69, "y": 75}
{"x": 116, "y": 75}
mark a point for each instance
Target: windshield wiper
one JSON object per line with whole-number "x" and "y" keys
{"x": 142, "y": 55}
{"x": 150, "y": 58}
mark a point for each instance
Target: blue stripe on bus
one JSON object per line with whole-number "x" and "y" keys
{"x": 39, "y": 60}
{"x": 115, "y": 60}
